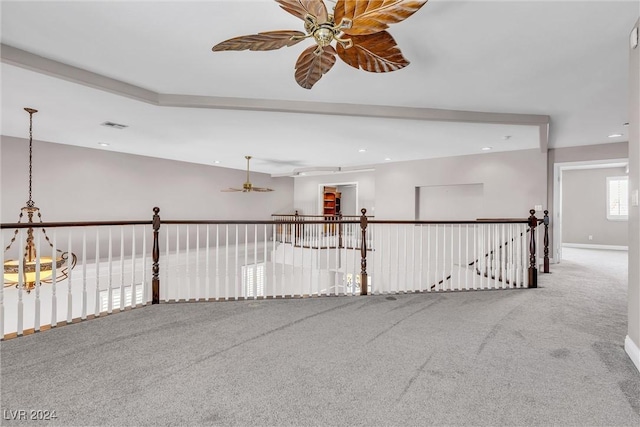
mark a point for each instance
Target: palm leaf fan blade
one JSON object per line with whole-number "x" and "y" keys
{"x": 376, "y": 53}
{"x": 302, "y": 8}
{"x": 269, "y": 40}
{"x": 373, "y": 16}
{"x": 310, "y": 67}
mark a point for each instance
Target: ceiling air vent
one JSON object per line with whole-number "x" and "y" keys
{"x": 114, "y": 125}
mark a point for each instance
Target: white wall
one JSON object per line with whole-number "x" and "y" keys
{"x": 513, "y": 182}
{"x": 80, "y": 184}
{"x": 632, "y": 344}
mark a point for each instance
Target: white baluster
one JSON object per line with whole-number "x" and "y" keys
{"x": 503, "y": 271}
{"x": 496, "y": 255}
{"x": 83, "y": 315}
{"x": 217, "y": 284}
{"x": 69, "y": 288}
{"x": 421, "y": 280}
{"x": 207, "y": 283}
{"x": 54, "y": 274}
{"x": 284, "y": 264}
{"x": 21, "y": 259}
{"x": 397, "y": 282}
{"x": 133, "y": 267}
{"x": 146, "y": 296}
{"x": 466, "y": 258}
{"x": 476, "y": 263}
{"x": 428, "y": 282}
{"x": 236, "y": 265}
{"x": 187, "y": 262}
{"x": 122, "y": 290}
{"x": 97, "y": 301}
{"x": 246, "y": 264}
{"x": 450, "y": 280}
{"x": 437, "y": 275}
{"x": 36, "y": 322}
{"x": 198, "y": 291}
{"x": 255, "y": 261}
{"x": 226, "y": 270}
{"x": 166, "y": 287}
{"x": 459, "y": 258}
{"x": 274, "y": 230}
{"x": 178, "y": 289}
{"x": 110, "y": 270}
{"x": 265, "y": 258}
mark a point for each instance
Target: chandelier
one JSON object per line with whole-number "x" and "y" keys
{"x": 24, "y": 272}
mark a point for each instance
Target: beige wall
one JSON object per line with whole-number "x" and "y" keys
{"x": 634, "y": 185}
{"x": 584, "y": 208}
{"x": 513, "y": 182}
{"x": 80, "y": 184}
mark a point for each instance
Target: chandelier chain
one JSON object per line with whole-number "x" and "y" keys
{"x": 30, "y": 202}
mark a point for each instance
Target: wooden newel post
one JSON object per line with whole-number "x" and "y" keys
{"x": 364, "y": 283}
{"x": 546, "y": 241}
{"x": 533, "y": 270}
{"x": 155, "y": 281}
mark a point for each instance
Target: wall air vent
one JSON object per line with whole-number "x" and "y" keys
{"x": 114, "y": 125}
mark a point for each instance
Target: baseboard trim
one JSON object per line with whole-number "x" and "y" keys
{"x": 633, "y": 351}
{"x": 588, "y": 246}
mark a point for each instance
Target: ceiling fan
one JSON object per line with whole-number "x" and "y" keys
{"x": 357, "y": 26}
{"x": 247, "y": 186}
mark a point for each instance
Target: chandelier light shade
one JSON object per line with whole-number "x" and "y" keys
{"x": 22, "y": 270}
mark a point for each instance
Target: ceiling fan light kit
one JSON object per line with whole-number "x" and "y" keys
{"x": 357, "y": 26}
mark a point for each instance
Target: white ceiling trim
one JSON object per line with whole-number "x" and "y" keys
{"x": 36, "y": 63}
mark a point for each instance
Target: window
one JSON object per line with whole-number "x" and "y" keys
{"x": 115, "y": 297}
{"x": 617, "y": 198}
{"x": 253, "y": 280}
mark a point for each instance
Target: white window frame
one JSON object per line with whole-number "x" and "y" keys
{"x": 613, "y": 216}
{"x": 115, "y": 297}
{"x": 253, "y": 275}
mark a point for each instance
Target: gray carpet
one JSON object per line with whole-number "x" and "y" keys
{"x": 552, "y": 355}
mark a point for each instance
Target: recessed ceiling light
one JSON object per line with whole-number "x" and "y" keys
{"x": 103, "y": 144}
{"x": 216, "y": 162}
{"x": 625, "y": 124}
{"x": 362, "y": 150}
{"x": 487, "y": 148}
{"x": 615, "y": 135}
{"x": 506, "y": 137}
{"x": 386, "y": 159}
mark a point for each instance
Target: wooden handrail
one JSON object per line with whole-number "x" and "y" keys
{"x": 7, "y": 225}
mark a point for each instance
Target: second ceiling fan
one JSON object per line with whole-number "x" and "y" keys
{"x": 247, "y": 187}
{"x": 357, "y": 26}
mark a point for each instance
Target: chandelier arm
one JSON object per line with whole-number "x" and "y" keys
{"x": 45, "y": 231}
{"x": 15, "y": 234}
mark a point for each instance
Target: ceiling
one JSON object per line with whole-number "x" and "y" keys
{"x": 483, "y": 74}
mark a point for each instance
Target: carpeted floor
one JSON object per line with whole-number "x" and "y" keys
{"x": 552, "y": 355}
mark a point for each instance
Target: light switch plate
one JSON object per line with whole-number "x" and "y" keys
{"x": 538, "y": 207}
{"x": 633, "y": 39}
{"x": 634, "y": 198}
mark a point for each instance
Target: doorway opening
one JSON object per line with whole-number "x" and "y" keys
{"x": 566, "y": 208}
{"x": 338, "y": 198}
